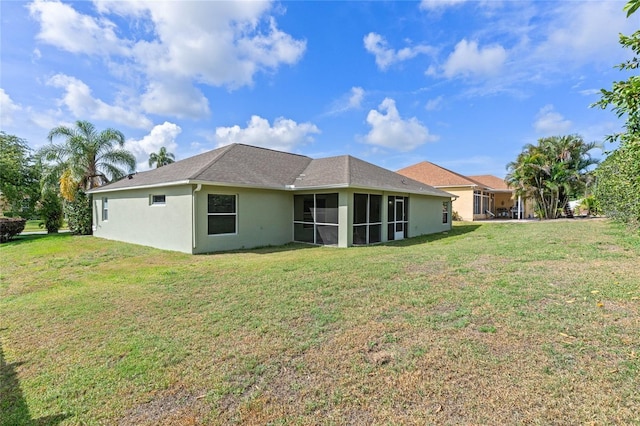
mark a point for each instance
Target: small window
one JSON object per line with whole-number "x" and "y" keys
{"x": 158, "y": 199}
{"x": 105, "y": 209}
{"x": 221, "y": 214}
{"x": 445, "y": 212}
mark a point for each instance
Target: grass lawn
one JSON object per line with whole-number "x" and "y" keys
{"x": 495, "y": 323}
{"x": 33, "y": 225}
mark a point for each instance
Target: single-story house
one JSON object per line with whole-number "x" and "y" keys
{"x": 478, "y": 197}
{"x": 242, "y": 196}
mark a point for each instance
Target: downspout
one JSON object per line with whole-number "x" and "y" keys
{"x": 193, "y": 216}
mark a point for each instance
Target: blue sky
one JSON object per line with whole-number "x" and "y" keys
{"x": 463, "y": 84}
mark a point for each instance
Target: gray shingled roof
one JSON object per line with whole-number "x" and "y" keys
{"x": 349, "y": 171}
{"x": 246, "y": 165}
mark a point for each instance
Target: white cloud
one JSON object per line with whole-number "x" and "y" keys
{"x": 162, "y": 135}
{"x": 355, "y": 100}
{"x": 349, "y": 101}
{"x": 7, "y": 109}
{"x": 62, "y": 26}
{"x": 590, "y": 92}
{"x": 175, "y": 45}
{"x": 582, "y": 32}
{"x": 392, "y": 131}
{"x": 284, "y": 135}
{"x": 82, "y": 105}
{"x": 174, "y": 97}
{"x": 433, "y": 104}
{"x": 439, "y": 4}
{"x": 387, "y": 56}
{"x": 217, "y": 43}
{"x": 550, "y": 122}
{"x": 468, "y": 60}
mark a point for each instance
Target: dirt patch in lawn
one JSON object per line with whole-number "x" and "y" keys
{"x": 178, "y": 407}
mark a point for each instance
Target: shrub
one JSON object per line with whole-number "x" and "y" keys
{"x": 10, "y": 227}
{"x": 456, "y": 216}
{"x": 78, "y": 214}
{"x": 51, "y": 211}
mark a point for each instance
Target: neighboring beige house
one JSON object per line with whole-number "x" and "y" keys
{"x": 242, "y": 196}
{"x": 478, "y": 197}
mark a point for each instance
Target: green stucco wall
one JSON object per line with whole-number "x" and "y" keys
{"x": 133, "y": 219}
{"x": 425, "y": 215}
{"x": 264, "y": 218}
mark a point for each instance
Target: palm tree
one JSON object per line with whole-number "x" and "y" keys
{"x": 93, "y": 158}
{"x": 552, "y": 171}
{"x": 87, "y": 159}
{"x": 162, "y": 158}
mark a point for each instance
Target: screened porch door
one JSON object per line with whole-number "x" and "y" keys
{"x": 399, "y": 226}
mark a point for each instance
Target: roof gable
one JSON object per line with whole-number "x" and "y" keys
{"x": 234, "y": 164}
{"x": 254, "y": 166}
{"x": 434, "y": 175}
{"x": 491, "y": 181}
{"x": 353, "y": 172}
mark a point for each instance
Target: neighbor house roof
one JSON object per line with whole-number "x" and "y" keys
{"x": 492, "y": 182}
{"x": 437, "y": 176}
{"x": 245, "y": 165}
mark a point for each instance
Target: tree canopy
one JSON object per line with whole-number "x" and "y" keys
{"x": 93, "y": 158}
{"x": 551, "y": 171}
{"x": 19, "y": 176}
{"x": 86, "y": 159}
{"x": 618, "y": 177}
{"x": 161, "y": 158}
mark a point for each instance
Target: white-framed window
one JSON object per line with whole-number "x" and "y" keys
{"x": 221, "y": 214}
{"x": 315, "y": 218}
{"x": 445, "y": 212}
{"x": 105, "y": 209}
{"x": 367, "y": 219}
{"x": 480, "y": 202}
{"x": 158, "y": 200}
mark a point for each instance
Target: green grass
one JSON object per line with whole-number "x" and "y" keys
{"x": 495, "y": 323}
{"x": 35, "y": 225}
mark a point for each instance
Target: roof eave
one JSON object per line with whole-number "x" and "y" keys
{"x": 188, "y": 182}
{"x": 291, "y": 188}
{"x": 101, "y": 190}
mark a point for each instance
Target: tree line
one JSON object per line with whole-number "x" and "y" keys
{"x": 51, "y": 183}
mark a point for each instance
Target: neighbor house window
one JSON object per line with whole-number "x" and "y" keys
{"x": 105, "y": 208}
{"x": 315, "y": 218}
{"x": 158, "y": 200}
{"x": 367, "y": 218}
{"x": 480, "y": 202}
{"x": 221, "y": 214}
{"x": 445, "y": 212}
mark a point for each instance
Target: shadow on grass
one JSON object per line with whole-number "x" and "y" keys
{"x": 265, "y": 249}
{"x": 30, "y": 238}
{"x": 455, "y": 231}
{"x": 13, "y": 406}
